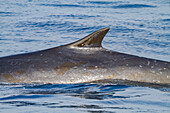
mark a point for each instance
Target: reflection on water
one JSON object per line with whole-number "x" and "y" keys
{"x": 84, "y": 97}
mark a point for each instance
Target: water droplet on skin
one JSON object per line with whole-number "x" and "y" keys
{"x": 13, "y": 63}
{"x": 153, "y": 71}
{"x": 160, "y": 69}
{"x": 75, "y": 67}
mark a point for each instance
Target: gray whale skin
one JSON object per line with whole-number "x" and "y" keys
{"x": 82, "y": 61}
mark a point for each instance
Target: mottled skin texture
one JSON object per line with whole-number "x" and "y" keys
{"x": 82, "y": 61}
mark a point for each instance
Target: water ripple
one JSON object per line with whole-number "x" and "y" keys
{"x": 6, "y": 14}
{"x": 105, "y": 2}
{"x": 134, "y": 6}
{"x": 166, "y": 20}
{"x": 86, "y": 97}
{"x": 64, "y": 5}
{"x": 13, "y": 97}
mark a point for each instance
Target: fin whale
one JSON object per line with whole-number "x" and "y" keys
{"x": 82, "y": 61}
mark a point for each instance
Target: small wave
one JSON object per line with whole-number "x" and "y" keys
{"x": 166, "y": 20}
{"x": 133, "y": 6}
{"x": 27, "y": 103}
{"x": 64, "y": 5}
{"x": 7, "y": 14}
{"x": 23, "y": 97}
{"x": 104, "y": 2}
{"x": 99, "y": 3}
{"x": 37, "y": 24}
{"x": 74, "y": 16}
{"x": 81, "y": 29}
{"x": 28, "y": 40}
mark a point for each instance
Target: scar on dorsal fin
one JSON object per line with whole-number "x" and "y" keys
{"x": 92, "y": 40}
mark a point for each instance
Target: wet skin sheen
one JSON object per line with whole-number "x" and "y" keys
{"x": 82, "y": 61}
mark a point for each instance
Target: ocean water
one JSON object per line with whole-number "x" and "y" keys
{"x": 138, "y": 27}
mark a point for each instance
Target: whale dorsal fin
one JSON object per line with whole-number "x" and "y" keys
{"x": 92, "y": 40}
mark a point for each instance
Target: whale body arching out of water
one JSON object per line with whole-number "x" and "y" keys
{"x": 82, "y": 61}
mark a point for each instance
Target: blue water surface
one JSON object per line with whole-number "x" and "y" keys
{"x": 80, "y": 98}
{"x": 138, "y": 27}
